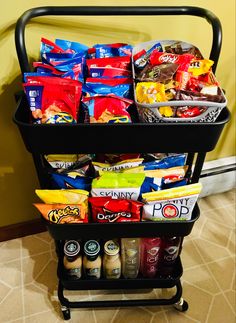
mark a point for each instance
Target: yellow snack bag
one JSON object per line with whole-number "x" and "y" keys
{"x": 200, "y": 66}
{"x": 150, "y": 92}
{"x": 166, "y": 111}
{"x": 63, "y": 196}
{"x": 171, "y": 204}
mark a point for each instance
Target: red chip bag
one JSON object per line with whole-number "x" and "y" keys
{"x": 106, "y": 209}
{"x": 118, "y": 62}
{"x": 108, "y": 109}
{"x": 59, "y": 98}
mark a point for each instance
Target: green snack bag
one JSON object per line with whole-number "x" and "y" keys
{"x": 118, "y": 185}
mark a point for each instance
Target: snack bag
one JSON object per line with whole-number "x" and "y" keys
{"x": 118, "y": 185}
{"x": 166, "y": 162}
{"x": 150, "y": 92}
{"x": 52, "y": 99}
{"x": 159, "y": 73}
{"x": 142, "y": 58}
{"x": 116, "y": 62}
{"x": 150, "y": 184}
{"x": 109, "y": 81}
{"x": 106, "y": 209}
{"x": 72, "y": 180}
{"x": 200, "y": 66}
{"x": 94, "y": 89}
{"x": 171, "y": 204}
{"x": 71, "y": 46}
{"x": 48, "y": 46}
{"x": 183, "y": 61}
{"x": 108, "y": 109}
{"x": 118, "y": 167}
{"x": 112, "y": 50}
{"x": 61, "y": 161}
{"x": 63, "y": 213}
{"x": 69, "y": 196}
{"x": 168, "y": 175}
{"x": 63, "y": 206}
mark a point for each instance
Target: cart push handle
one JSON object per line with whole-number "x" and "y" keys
{"x": 114, "y": 11}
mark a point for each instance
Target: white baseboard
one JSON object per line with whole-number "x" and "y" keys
{"x": 215, "y": 183}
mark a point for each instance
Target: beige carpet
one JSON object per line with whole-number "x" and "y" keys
{"x": 28, "y": 277}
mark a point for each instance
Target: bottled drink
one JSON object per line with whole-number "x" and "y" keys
{"x": 130, "y": 255}
{"x": 111, "y": 260}
{"x": 170, "y": 251}
{"x": 72, "y": 259}
{"x": 150, "y": 253}
{"x": 92, "y": 260}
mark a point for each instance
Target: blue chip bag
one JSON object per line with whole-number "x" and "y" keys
{"x": 72, "y": 46}
{"x": 78, "y": 182}
{"x": 121, "y": 90}
{"x": 150, "y": 184}
{"x": 166, "y": 162}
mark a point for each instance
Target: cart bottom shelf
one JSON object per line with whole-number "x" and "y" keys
{"x": 177, "y": 301}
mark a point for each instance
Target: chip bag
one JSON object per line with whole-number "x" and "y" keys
{"x": 61, "y": 161}
{"x": 63, "y": 206}
{"x": 171, "y": 204}
{"x": 108, "y": 109}
{"x": 72, "y": 180}
{"x": 118, "y": 185}
{"x": 70, "y": 196}
{"x": 118, "y": 167}
{"x": 106, "y": 209}
{"x": 63, "y": 213}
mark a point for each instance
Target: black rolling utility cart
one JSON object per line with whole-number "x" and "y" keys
{"x": 195, "y": 139}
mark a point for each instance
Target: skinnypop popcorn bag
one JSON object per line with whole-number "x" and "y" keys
{"x": 171, "y": 204}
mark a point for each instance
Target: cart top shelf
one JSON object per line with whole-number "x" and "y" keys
{"x": 117, "y": 138}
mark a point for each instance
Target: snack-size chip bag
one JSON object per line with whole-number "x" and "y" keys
{"x": 69, "y": 196}
{"x": 94, "y": 89}
{"x": 117, "y": 62}
{"x": 106, "y": 209}
{"x": 166, "y": 162}
{"x": 109, "y": 81}
{"x": 118, "y": 185}
{"x": 112, "y": 50}
{"x": 47, "y": 46}
{"x": 61, "y": 161}
{"x": 63, "y": 213}
{"x": 108, "y": 109}
{"x": 71, "y": 46}
{"x": 118, "y": 167}
{"x": 52, "y": 99}
{"x": 171, "y": 204}
{"x": 72, "y": 180}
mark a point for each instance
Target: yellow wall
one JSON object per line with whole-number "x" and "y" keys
{"x": 17, "y": 175}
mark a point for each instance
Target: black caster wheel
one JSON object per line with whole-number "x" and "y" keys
{"x": 181, "y": 305}
{"x": 65, "y": 312}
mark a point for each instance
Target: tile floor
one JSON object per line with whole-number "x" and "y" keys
{"x": 28, "y": 277}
